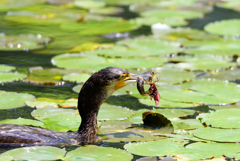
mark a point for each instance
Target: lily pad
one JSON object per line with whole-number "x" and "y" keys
{"x": 81, "y": 61}
{"x": 77, "y": 88}
{"x": 224, "y": 27}
{"x": 76, "y": 77}
{"x": 13, "y": 100}
{"x": 224, "y": 75}
{"x": 195, "y": 151}
{"x": 218, "y": 89}
{"x": 22, "y": 121}
{"x": 105, "y": 26}
{"x": 111, "y": 112}
{"x": 219, "y": 135}
{"x": 15, "y": 4}
{"x": 31, "y": 153}
{"x": 107, "y": 10}
{"x": 9, "y": 77}
{"x": 169, "y": 17}
{"x": 58, "y": 119}
{"x": 41, "y": 102}
{"x": 173, "y": 76}
{"x": 215, "y": 119}
{"x": 164, "y": 147}
{"x": 6, "y": 68}
{"x": 165, "y": 103}
{"x": 89, "y": 4}
{"x": 201, "y": 63}
{"x": 98, "y": 153}
{"x": 23, "y": 42}
{"x": 117, "y": 131}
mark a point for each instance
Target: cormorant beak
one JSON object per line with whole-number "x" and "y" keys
{"x": 132, "y": 78}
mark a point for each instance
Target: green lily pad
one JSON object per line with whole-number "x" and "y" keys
{"x": 63, "y": 120}
{"x": 105, "y": 26}
{"x": 151, "y": 46}
{"x": 218, "y": 89}
{"x": 117, "y": 131}
{"x": 15, "y": 4}
{"x": 31, "y": 153}
{"x": 76, "y": 77}
{"x": 226, "y": 47}
{"x": 98, "y": 153}
{"x": 224, "y": 75}
{"x": 201, "y": 63}
{"x": 13, "y": 100}
{"x": 6, "y": 68}
{"x": 225, "y": 107}
{"x": 165, "y": 103}
{"x": 196, "y": 151}
{"x": 89, "y": 4}
{"x": 22, "y": 121}
{"x": 80, "y": 61}
{"x": 171, "y": 114}
{"x": 233, "y": 5}
{"x": 77, "y": 88}
{"x": 219, "y": 135}
{"x": 9, "y": 77}
{"x": 169, "y": 17}
{"x": 23, "y": 42}
{"x": 224, "y": 27}
{"x": 173, "y": 76}
{"x": 186, "y": 124}
{"x": 107, "y": 10}
{"x": 215, "y": 119}
{"x": 41, "y": 102}
{"x": 164, "y": 147}
{"x": 56, "y": 119}
{"x": 111, "y": 112}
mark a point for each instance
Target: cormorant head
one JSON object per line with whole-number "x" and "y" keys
{"x": 113, "y": 78}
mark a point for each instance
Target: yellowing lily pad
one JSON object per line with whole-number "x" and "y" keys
{"x": 13, "y": 100}
{"x": 98, "y": 153}
{"x": 224, "y": 27}
{"x": 215, "y": 119}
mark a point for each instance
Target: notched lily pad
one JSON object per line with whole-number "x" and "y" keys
{"x": 22, "y": 42}
{"x": 13, "y": 100}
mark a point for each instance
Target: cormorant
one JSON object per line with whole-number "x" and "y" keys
{"x": 93, "y": 93}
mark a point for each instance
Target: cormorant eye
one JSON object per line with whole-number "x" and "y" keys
{"x": 122, "y": 77}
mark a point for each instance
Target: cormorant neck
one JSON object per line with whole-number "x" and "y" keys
{"x": 90, "y": 99}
